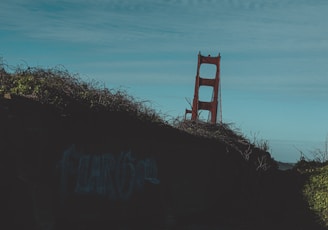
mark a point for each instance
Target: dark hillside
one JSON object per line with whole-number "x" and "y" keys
{"x": 75, "y": 156}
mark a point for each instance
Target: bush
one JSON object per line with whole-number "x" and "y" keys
{"x": 60, "y": 88}
{"x": 316, "y": 191}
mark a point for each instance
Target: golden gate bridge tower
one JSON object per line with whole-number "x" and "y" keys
{"x": 214, "y": 106}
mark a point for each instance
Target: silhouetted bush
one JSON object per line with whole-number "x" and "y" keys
{"x": 62, "y": 89}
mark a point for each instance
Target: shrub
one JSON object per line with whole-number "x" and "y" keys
{"x": 60, "y": 88}
{"x": 316, "y": 191}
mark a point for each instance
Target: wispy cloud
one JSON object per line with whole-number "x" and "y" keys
{"x": 274, "y": 52}
{"x": 236, "y": 27}
{"x": 233, "y": 24}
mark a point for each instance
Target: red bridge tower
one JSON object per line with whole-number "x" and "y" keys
{"x": 215, "y": 104}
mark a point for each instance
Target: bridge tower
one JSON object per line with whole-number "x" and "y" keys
{"x": 213, "y": 106}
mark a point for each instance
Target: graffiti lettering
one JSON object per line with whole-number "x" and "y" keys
{"x": 125, "y": 175}
{"x": 116, "y": 177}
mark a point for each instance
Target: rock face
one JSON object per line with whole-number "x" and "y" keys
{"x": 86, "y": 167}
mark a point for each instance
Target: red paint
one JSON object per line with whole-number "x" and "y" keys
{"x": 211, "y": 106}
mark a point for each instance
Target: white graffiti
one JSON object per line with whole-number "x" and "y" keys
{"x": 116, "y": 177}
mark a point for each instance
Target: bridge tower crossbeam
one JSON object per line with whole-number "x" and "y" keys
{"x": 211, "y": 106}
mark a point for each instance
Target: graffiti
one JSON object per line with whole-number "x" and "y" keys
{"x": 114, "y": 176}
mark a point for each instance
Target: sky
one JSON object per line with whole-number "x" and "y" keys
{"x": 274, "y": 63}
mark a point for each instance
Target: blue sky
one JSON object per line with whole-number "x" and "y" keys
{"x": 274, "y": 65}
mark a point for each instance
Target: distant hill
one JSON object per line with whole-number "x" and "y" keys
{"x": 285, "y": 166}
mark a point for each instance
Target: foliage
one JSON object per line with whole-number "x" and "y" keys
{"x": 215, "y": 131}
{"x": 256, "y": 153}
{"x": 67, "y": 92}
{"x": 318, "y": 155}
{"x": 321, "y": 155}
{"x": 316, "y": 191}
{"x": 64, "y": 90}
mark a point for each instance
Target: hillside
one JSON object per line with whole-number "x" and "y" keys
{"x": 79, "y": 156}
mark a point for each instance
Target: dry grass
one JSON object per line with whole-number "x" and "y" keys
{"x": 64, "y": 90}
{"x": 68, "y": 92}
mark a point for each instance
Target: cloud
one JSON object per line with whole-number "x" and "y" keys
{"x": 236, "y": 25}
{"x": 254, "y": 37}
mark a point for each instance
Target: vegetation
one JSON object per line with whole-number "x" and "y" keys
{"x": 64, "y": 90}
{"x": 321, "y": 155}
{"x": 315, "y": 189}
{"x": 67, "y": 91}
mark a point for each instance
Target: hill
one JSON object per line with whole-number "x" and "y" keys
{"x": 79, "y": 156}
